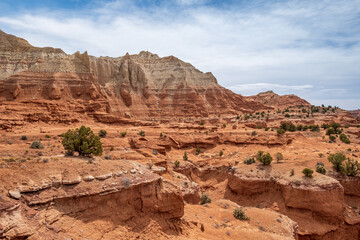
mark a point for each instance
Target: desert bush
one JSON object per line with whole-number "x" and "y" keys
{"x": 320, "y": 169}
{"x": 299, "y": 127}
{"x": 123, "y": 134}
{"x": 314, "y": 128}
{"x": 36, "y": 145}
{"x": 112, "y": 148}
{"x": 253, "y": 133}
{"x": 337, "y": 160}
{"x": 332, "y": 138}
{"x": 280, "y": 131}
{"x": 202, "y": 122}
{"x": 108, "y": 157}
{"x": 325, "y": 126}
{"x": 258, "y": 127}
{"x": 69, "y": 153}
{"x": 24, "y": 138}
{"x": 83, "y": 141}
{"x": 47, "y": 136}
{"x": 344, "y": 138}
{"x": 185, "y": 157}
{"x": 240, "y": 214}
{"x": 198, "y": 150}
{"x": 267, "y": 129}
{"x": 279, "y": 156}
{"x": 287, "y": 115}
{"x": 221, "y": 153}
{"x": 351, "y": 167}
{"x": 321, "y": 155}
{"x": 292, "y": 172}
{"x": 142, "y": 133}
{"x": 265, "y": 159}
{"x": 292, "y": 128}
{"x": 307, "y": 172}
{"x": 204, "y": 199}
{"x": 102, "y": 133}
{"x": 177, "y": 163}
{"x": 224, "y": 125}
{"x": 249, "y": 161}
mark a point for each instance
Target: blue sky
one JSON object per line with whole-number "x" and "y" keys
{"x": 308, "y": 48}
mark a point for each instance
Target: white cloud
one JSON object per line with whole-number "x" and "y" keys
{"x": 289, "y": 46}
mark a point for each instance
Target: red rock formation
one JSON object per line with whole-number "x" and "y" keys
{"x": 272, "y": 99}
{"x": 142, "y": 85}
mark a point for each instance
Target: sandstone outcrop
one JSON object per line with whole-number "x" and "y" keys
{"x": 108, "y": 89}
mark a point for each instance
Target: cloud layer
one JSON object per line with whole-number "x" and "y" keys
{"x": 309, "y": 48}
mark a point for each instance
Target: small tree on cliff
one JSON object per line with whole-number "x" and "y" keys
{"x": 265, "y": 159}
{"x": 337, "y": 160}
{"x": 83, "y": 141}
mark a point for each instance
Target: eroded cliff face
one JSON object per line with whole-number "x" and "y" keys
{"x": 133, "y": 86}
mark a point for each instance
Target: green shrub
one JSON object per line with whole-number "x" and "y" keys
{"x": 287, "y": 115}
{"x": 198, "y": 150}
{"x": 280, "y": 131}
{"x": 337, "y": 160}
{"x": 204, "y": 199}
{"x": 253, "y": 133}
{"x": 185, "y": 157}
{"x": 102, "y": 133}
{"x": 265, "y": 159}
{"x": 279, "y": 156}
{"x": 142, "y": 133}
{"x": 292, "y": 128}
{"x": 202, "y": 122}
{"x": 258, "y": 127}
{"x": 325, "y": 126}
{"x": 292, "y": 172}
{"x": 307, "y": 172}
{"x": 36, "y": 145}
{"x": 24, "y": 138}
{"x": 123, "y": 134}
{"x": 314, "y": 128}
{"x": 112, "y": 148}
{"x": 321, "y": 155}
{"x": 47, "y": 136}
{"x": 332, "y": 138}
{"x": 249, "y": 161}
{"x": 240, "y": 214}
{"x": 299, "y": 127}
{"x": 346, "y": 126}
{"x": 267, "y": 129}
{"x": 221, "y": 153}
{"x": 320, "y": 169}
{"x": 344, "y": 138}
{"x": 177, "y": 163}
{"x": 83, "y": 141}
{"x": 352, "y": 167}
{"x": 224, "y": 125}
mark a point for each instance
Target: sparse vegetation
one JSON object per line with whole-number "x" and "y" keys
{"x": 280, "y": 131}
{"x": 47, "y": 136}
{"x": 102, "y": 133}
{"x": 240, "y": 214}
{"x": 221, "y": 153}
{"x": 253, "y": 133}
{"x": 24, "y": 138}
{"x": 249, "y": 161}
{"x": 36, "y": 145}
{"x": 185, "y": 157}
{"x": 292, "y": 172}
{"x": 197, "y": 151}
{"x": 177, "y": 163}
{"x": 344, "y": 138}
{"x": 320, "y": 168}
{"x": 123, "y": 134}
{"x": 83, "y": 141}
{"x": 142, "y": 133}
{"x": 265, "y": 159}
{"x": 351, "y": 167}
{"x": 279, "y": 156}
{"x": 204, "y": 199}
{"x": 307, "y": 172}
{"x": 337, "y": 160}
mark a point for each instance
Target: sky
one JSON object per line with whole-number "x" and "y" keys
{"x": 303, "y": 47}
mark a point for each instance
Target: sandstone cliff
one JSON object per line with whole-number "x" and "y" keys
{"x": 109, "y": 89}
